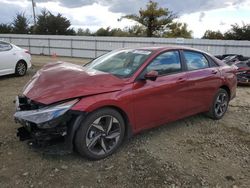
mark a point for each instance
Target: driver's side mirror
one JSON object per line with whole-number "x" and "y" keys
{"x": 151, "y": 75}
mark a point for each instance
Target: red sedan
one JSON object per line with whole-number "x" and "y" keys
{"x": 95, "y": 107}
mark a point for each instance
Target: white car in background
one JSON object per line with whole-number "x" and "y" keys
{"x": 13, "y": 60}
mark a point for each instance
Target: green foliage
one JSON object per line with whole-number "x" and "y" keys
{"x": 177, "y": 29}
{"x": 49, "y": 24}
{"x": 238, "y": 32}
{"x": 110, "y": 32}
{"x": 133, "y": 31}
{"x": 235, "y": 33}
{"x": 103, "y": 32}
{"x": 153, "y": 18}
{"x": 6, "y": 28}
{"x": 136, "y": 31}
{"x": 82, "y": 32}
{"x": 20, "y": 24}
{"x": 213, "y": 35}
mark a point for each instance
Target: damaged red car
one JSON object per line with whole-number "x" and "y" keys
{"x": 95, "y": 107}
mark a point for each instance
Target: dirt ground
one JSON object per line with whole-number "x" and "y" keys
{"x": 194, "y": 152}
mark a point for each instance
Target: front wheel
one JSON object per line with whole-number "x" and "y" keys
{"x": 220, "y": 105}
{"x": 100, "y": 134}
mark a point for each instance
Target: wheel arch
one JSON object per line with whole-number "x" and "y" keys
{"x": 82, "y": 115}
{"x": 225, "y": 87}
{"x": 23, "y": 61}
{"x": 128, "y": 126}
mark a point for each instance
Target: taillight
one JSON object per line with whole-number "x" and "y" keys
{"x": 27, "y": 52}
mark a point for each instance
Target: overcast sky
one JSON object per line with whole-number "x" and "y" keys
{"x": 200, "y": 15}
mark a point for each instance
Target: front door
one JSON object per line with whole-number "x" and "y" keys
{"x": 162, "y": 100}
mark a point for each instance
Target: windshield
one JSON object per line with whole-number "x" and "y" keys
{"x": 121, "y": 63}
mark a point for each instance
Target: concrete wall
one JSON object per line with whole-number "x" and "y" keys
{"x": 90, "y": 47}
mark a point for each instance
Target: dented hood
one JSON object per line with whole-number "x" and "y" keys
{"x": 59, "y": 81}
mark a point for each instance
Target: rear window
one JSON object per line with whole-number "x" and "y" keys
{"x": 4, "y": 46}
{"x": 195, "y": 60}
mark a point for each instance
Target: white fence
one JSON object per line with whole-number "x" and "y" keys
{"x": 90, "y": 47}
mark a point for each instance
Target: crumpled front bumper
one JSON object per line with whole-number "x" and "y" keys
{"x": 30, "y": 131}
{"x": 54, "y": 131}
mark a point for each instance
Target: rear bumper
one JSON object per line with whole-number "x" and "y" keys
{"x": 29, "y": 65}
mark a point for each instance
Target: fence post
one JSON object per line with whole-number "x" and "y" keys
{"x": 95, "y": 48}
{"x": 71, "y": 47}
{"x": 225, "y": 49}
{"x": 49, "y": 45}
{"x": 29, "y": 44}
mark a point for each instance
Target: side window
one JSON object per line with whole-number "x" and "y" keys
{"x": 4, "y": 46}
{"x": 195, "y": 60}
{"x": 166, "y": 63}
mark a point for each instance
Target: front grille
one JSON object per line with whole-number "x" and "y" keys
{"x": 27, "y": 104}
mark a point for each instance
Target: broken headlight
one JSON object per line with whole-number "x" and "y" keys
{"x": 45, "y": 114}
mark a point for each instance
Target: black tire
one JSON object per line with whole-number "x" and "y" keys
{"x": 21, "y": 68}
{"x": 219, "y": 106}
{"x": 88, "y": 133}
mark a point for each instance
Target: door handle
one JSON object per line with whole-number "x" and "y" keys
{"x": 181, "y": 80}
{"x": 214, "y": 72}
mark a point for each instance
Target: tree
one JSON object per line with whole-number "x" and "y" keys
{"x": 5, "y": 28}
{"x": 82, "y": 32}
{"x": 20, "y": 24}
{"x": 117, "y": 32}
{"x": 136, "y": 30}
{"x": 213, "y": 35}
{"x": 103, "y": 32}
{"x": 238, "y": 33}
{"x": 49, "y": 24}
{"x": 153, "y": 18}
{"x": 177, "y": 29}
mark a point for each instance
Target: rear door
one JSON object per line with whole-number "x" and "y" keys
{"x": 162, "y": 100}
{"x": 7, "y": 58}
{"x": 203, "y": 80}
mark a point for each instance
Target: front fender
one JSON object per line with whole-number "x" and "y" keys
{"x": 120, "y": 101}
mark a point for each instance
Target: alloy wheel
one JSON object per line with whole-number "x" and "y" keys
{"x": 21, "y": 68}
{"x": 221, "y": 104}
{"x": 103, "y": 135}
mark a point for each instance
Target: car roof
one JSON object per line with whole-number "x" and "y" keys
{"x": 170, "y": 47}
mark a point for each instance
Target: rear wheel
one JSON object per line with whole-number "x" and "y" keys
{"x": 220, "y": 105}
{"x": 100, "y": 134}
{"x": 21, "y": 68}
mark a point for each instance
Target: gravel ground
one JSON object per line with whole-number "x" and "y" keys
{"x": 194, "y": 152}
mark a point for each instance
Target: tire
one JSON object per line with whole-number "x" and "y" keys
{"x": 220, "y": 105}
{"x": 21, "y": 68}
{"x": 100, "y": 134}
